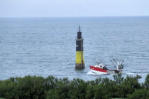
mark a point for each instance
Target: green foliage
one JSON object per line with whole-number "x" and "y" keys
{"x": 118, "y": 78}
{"x": 78, "y": 89}
{"x": 147, "y": 82}
{"x": 139, "y": 94}
{"x": 60, "y": 91}
{"x": 23, "y": 88}
{"x": 33, "y": 87}
{"x": 128, "y": 86}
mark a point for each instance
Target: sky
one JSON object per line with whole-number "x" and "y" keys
{"x": 73, "y": 8}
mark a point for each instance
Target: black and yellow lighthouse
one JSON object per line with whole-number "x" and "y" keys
{"x": 79, "y": 51}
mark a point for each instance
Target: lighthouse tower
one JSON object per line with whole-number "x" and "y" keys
{"x": 79, "y": 51}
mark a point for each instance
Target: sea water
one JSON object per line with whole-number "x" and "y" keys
{"x": 46, "y": 46}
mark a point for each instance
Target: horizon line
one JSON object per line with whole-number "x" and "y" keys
{"x": 68, "y": 16}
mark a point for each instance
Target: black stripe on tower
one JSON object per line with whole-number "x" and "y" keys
{"x": 79, "y": 41}
{"x": 79, "y": 45}
{"x": 79, "y": 35}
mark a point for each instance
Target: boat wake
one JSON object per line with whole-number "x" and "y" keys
{"x": 100, "y": 73}
{"x": 95, "y": 73}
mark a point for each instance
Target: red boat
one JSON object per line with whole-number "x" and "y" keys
{"x": 102, "y": 69}
{"x": 99, "y": 69}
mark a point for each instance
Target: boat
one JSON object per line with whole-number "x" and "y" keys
{"x": 99, "y": 69}
{"x": 102, "y": 69}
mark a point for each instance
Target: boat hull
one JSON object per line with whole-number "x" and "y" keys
{"x": 98, "y": 70}
{"x": 99, "y": 73}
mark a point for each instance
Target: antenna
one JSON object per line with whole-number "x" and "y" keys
{"x": 79, "y": 28}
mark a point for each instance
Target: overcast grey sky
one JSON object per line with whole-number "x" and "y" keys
{"x": 73, "y": 8}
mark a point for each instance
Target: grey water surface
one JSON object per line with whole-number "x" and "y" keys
{"x": 46, "y": 46}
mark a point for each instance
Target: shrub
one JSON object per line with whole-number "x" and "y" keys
{"x": 139, "y": 94}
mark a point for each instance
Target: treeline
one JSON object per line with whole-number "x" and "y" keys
{"x": 33, "y": 87}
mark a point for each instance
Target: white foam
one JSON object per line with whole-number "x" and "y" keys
{"x": 95, "y": 73}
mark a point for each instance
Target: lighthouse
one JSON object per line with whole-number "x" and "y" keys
{"x": 79, "y": 51}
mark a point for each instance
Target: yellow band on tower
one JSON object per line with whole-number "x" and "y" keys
{"x": 79, "y": 57}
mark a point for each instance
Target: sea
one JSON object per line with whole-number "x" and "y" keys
{"x": 47, "y": 46}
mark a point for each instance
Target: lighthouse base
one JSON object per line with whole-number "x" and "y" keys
{"x": 79, "y": 66}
